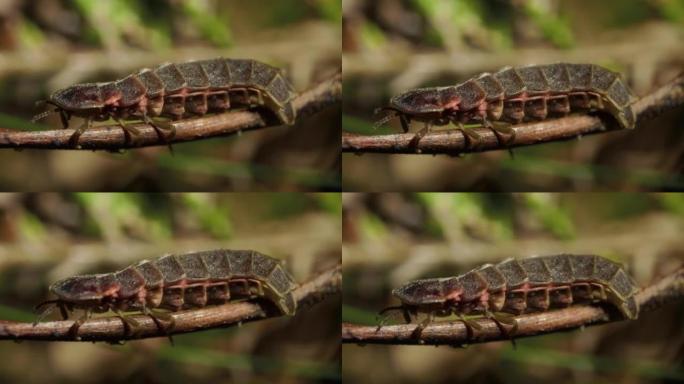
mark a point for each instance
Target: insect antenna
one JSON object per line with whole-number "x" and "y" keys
{"x": 47, "y": 307}
{"x": 41, "y": 116}
{"x": 391, "y": 313}
{"x": 391, "y": 114}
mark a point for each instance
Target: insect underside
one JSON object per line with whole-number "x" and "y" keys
{"x": 174, "y": 283}
{"x": 513, "y": 287}
{"x": 177, "y": 91}
{"x": 513, "y": 95}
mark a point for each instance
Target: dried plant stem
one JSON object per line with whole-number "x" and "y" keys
{"x": 453, "y": 142}
{"x": 668, "y": 289}
{"x": 112, "y": 329}
{"x": 113, "y": 137}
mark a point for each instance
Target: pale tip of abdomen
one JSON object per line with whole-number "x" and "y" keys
{"x": 630, "y": 308}
{"x": 287, "y": 305}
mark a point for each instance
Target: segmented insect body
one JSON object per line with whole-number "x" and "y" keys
{"x": 181, "y": 90}
{"x": 176, "y": 282}
{"x": 519, "y": 94}
{"x": 526, "y": 285}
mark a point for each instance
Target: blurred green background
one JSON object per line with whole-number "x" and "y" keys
{"x": 49, "y": 236}
{"x": 392, "y": 238}
{"x": 393, "y": 45}
{"x": 46, "y": 45}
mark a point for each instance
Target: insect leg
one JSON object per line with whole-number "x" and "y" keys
{"x": 471, "y": 327}
{"x": 500, "y": 128}
{"x": 503, "y": 318}
{"x": 158, "y": 127}
{"x": 420, "y": 134}
{"x": 48, "y": 306}
{"x": 127, "y": 129}
{"x": 422, "y": 325}
{"x": 166, "y": 317}
{"x": 73, "y": 140}
{"x": 500, "y": 319}
{"x": 73, "y": 330}
{"x": 63, "y": 310}
{"x": 508, "y": 319}
{"x": 472, "y": 138}
{"x": 130, "y": 325}
{"x": 405, "y": 121}
{"x": 64, "y": 117}
{"x": 407, "y": 315}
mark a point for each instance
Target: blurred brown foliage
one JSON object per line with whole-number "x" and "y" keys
{"x": 50, "y": 44}
{"x": 392, "y": 238}
{"x": 46, "y": 237}
{"x": 392, "y": 45}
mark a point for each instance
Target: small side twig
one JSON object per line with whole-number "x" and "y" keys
{"x": 113, "y": 137}
{"x": 453, "y": 142}
{"x": 668, "y": 289}
{"x": 112, "y": 329}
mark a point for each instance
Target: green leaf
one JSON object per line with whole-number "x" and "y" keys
{"x": 209, "y": 24}
{"x": 330, "y": 202}
{"x": 329, "y": 9}
{"x": 554, "y": 28}
{"x": 214, "y": 219}
{"x": 673, "y": 202}
{"x": 552, "y": 217}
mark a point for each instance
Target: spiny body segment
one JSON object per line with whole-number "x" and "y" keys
{"x": 514, "y": 95}
{"x": 522, "y": 286}
{"x": 176, "y": 282}
{"x": 180, "y": 90}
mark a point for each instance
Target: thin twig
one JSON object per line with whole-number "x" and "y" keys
{"x": 113, "y": 137}
{"x": 453, "y": 141}
{"x": 667, "y": 290}
{"x": 112, "y": 329}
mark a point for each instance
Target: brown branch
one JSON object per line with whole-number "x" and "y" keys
{"x": 112, "y": 329}
{"x": 112, "y": 137}
{"x": 453, "y": 141}
{"x": 667, "y": 290}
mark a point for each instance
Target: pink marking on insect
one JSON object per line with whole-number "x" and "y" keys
{"x": 177, "y": 282}
{"x": 523, "y": 286}
{"x": 514, "y": 95}
{"x": 453, "y": 104}
{"x": 178, "y": 91}
{"x": 454, "y": 295}
{"x": 484, "y": 297}
{"x": 113, "y": 291}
